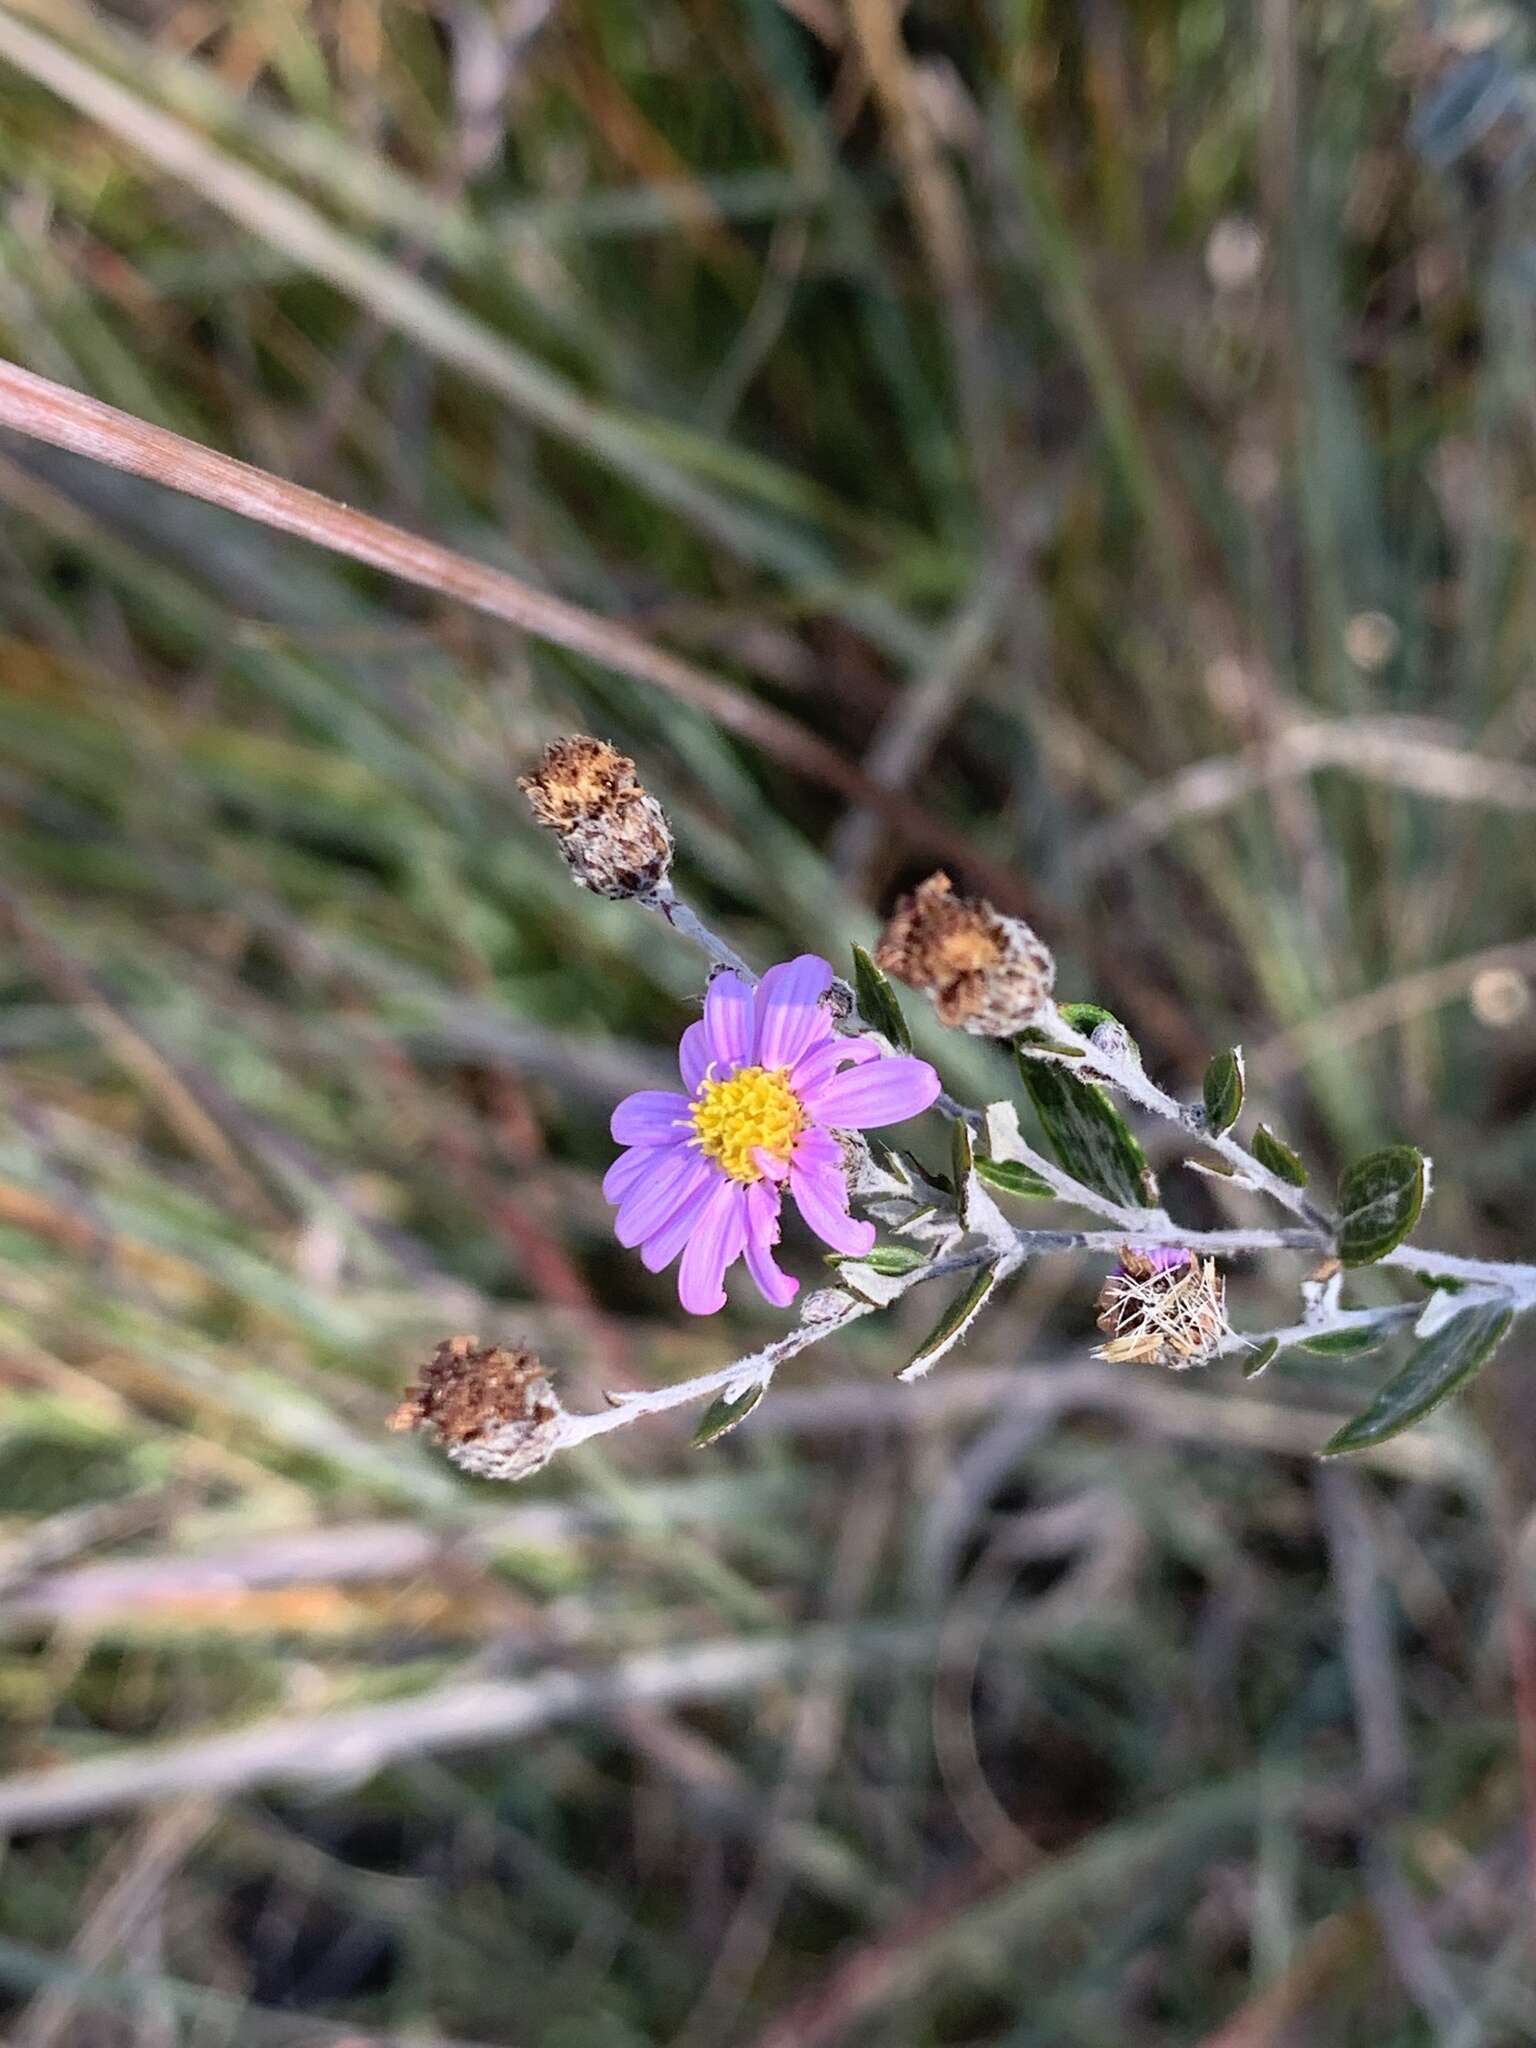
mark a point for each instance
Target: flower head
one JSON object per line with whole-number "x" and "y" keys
{"x": 611, "y": 830}
{"x": 768, "y": 1085}
{"x": 492, "y": 1409}
{"x": 987, "y": 974}
{"x": 1162, "y": 1306}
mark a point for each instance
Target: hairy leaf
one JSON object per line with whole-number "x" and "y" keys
{"x": 1275, "y": 1154}
{"x": 1344, "y": 1343}
{"x": 1088, "y": 1134}
{"x": 1012, "y": 1177}
{"x": 722, "y": 1416}
{"x": 952, "y": 1325}
{"x": 1436, "y": 1369}
{"x": 877, "y": 1001}
{"x": 1262, "y": 1356}
{"x": 1224, "y": 1091}
{"x": 894, "y": 1259}
{"x": 1380, "y": 1198}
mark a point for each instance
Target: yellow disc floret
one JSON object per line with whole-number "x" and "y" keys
{"x": 756, "y": 1110}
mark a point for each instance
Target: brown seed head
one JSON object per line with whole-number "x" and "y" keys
{"x": 987, "y": 974}
{"x": 1162, "y": 1311}
{"x": 611, "y": 830}
{"x": 492, "y": 1409}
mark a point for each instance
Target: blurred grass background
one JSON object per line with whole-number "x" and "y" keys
{"x": 1111, "y": 423}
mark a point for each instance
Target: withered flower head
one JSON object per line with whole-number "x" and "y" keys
{"x": 1162, "y": 1307}
{"x": 987, "y": 974}
{"x": 611, "y": 830}
{"x": 493, "y": 1410}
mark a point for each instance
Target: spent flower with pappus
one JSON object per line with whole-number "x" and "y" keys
{"x": 987, "y": 974}
{"x": 1162, "y": 1306}
{"x": 769, "y": 1084}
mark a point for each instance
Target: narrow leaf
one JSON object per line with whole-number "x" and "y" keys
{"x": 1224, "y": 1091}
{"x": 1274, "y": 1153}
{"x": 1011, "y": 1177}
{"x": 1104, "y": 1028}
{"x": 1260, "y": 1358}
{"x": 1087, "y": 1017}
{"x": 877, "y": 1001}
{"x": 1436, "y": 1369}
{"x": 722, "y": 1416}
{"x": 1088, "y": 1134}
{"x": 1344, "y": 1343}
{"x": 894, "y": 1259}
{"x": 1380, "y": 1198}
{"x": 952, "y": 1325}
{"x": 1042, "y": 1041}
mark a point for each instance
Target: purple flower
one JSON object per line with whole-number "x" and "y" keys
{"x": 1162, "y": 1258}
{"x": 769, "y": 1083}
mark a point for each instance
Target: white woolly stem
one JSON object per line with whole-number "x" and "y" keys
{"x": 692, "y": 926}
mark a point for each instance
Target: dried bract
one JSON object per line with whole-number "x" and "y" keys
{"x": 611, "y": 829}
{"x": 987, "y": 974}
{"x": 1162, "y": 1307}
{"x": 492, "y": 1409}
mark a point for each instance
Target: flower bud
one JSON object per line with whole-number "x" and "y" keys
{"x": 493, "y": 1410}
{"x": 987, "y": 974}
{"x": 1162, "y": 1306}
{"x": 612, "y": 832}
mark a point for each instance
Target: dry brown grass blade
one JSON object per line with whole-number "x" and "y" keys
{"x": 45, "y": 411}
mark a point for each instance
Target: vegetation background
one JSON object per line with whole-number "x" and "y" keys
{"x": 1112, "y": 425}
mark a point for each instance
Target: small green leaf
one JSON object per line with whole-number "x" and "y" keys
{"x": 1042, "y": 1041}
{"x": 1344, "y": 1343}
{"x": 1088, "y": 1134}
{"x": 1224, "y": 1091}
{"x": 877, "y": 1001}
{"x": 1087, "y": 1017}
{"x": 952, "y": 1325}
{"x": 1380, "y": 1198}
{"x": 1013, "y": 1178}
{"x": 1261, "y": 1357}
{"x": 1104, "y": 1028}
{"x": 1436, "y": 1369}
{"x": 722, "y": 1416}
{"x": 893, "y": 1259}
{"x": 1275, "y": 1154}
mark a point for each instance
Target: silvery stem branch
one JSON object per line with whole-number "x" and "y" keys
{"x": 1125, "y": 1072}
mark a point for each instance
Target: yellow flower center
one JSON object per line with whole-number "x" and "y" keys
{"x": 756, "y": 1110}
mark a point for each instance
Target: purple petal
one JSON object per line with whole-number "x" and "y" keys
{"x": 626, "y": 1172}
{"x": 790, "y": 1018}
{"x": 652, "y": 1117}
{"x": 815, "y": 1068}
{"x": 822, "y": 1198}
{"x": 663, "y": 1246}
{"x": 693, "y": 1056}
{"x": 647, "y": 1206}
{"x": 728, "y": 1021}
{"x": 762, "y": 1233}
{"x": 716, "y": 1243}
{"x": 817, "y": 1151}
{"x": 886, "y": 1093}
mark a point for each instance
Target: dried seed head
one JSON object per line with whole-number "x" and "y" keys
{"x": 611, "y": 830}
{"x": 1162, "y": 1307}
{"x": 492, "y": 1410}
{"x": 987, "y": 974}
